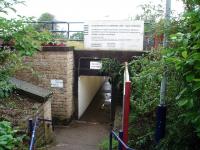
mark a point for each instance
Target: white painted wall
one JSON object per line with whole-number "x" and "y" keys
{"x": 88, "y": 86}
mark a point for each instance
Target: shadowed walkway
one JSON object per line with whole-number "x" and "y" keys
{"x": 99, "y": 109}
{"x": 92, "y": 128}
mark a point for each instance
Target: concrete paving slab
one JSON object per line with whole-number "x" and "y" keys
{"x": 80, "y": 136}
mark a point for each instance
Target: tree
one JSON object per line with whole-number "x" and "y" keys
{"x": 151, "y": 13}
{"x": 6, "y": 5}
{"x": 77, "y": 36}
{"x": 153, "y": 17}
{"x": 46, "y": 17}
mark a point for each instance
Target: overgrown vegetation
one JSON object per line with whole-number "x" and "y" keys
{"x": 181, "y": 61}
{"x": 17, "y": 39}
{"x": 182, "y": 99}
{"x": 146, "y": 74}
{"x": 8, "y": 137}
{"x": 104, "y": 145}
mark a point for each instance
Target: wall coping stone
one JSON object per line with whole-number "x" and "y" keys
{"x": 57, "y": 48}
{"x": 31, "y": 90}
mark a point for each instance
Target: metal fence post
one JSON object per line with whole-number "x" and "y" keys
{"x": 126, "y": 110}
{"x": 52, "y": 25}
{"x": 160, "y": 122}
{"x": 30, "y": 128}
{"x": 31, "y": 147}
{"x": 121, "y": 137}
{"x": 110, "y": 141}
{"x": 166, "y": 24}
{"x": 68, "y": 30}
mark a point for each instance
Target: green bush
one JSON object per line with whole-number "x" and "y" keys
{"x": 181, "y": 60}
{"x": 146, "y": 74}
{"x": 8, "y": 137}
{"x": 18, "y": 39}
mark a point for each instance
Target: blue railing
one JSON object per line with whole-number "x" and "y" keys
{"x": 121, "y": 144}
{"x": 33, "y": 129}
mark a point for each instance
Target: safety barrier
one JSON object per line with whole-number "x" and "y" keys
{"x": 123, "y": 135}
{"x": 33, "y": 129}
{"x": 121, "y": 144}
{"x": 126, "y": 103}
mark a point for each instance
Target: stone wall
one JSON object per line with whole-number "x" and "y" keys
{"x": 44, "y": 132}
{"x": 53, "y": 63}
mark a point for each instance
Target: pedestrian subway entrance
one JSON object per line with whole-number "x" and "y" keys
{"x": 94, "y": 94}
{"x": 98, "y": 100}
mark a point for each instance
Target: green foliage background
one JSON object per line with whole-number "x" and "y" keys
{"x": 181, "y": 61}
{"x": 8, "y": 137}
{"x": 77, "y": 36}
{"x": 18, "y": 39}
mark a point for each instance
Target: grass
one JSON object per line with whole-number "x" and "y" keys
{"x": 104, "y": 145}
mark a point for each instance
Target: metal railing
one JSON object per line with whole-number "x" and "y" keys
{"x": 53, "y": 25}
{"x": 33, "y": 129}
{"x": 152, "y": 41}
{"x": 121, "y": 144}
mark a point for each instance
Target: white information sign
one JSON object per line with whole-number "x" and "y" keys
{"x": 56, "y": 83}
{"x": 95, "y": 65}
{"x": 114, "y": 35}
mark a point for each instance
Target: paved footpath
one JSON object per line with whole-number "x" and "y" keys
{"x": 80, "y": 136}
{"x": 88, "y": 133}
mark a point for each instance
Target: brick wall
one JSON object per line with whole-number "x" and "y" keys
{"x": 53, "y": 63}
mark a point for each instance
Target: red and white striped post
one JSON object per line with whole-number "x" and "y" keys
{"x": 126, "y": 104}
